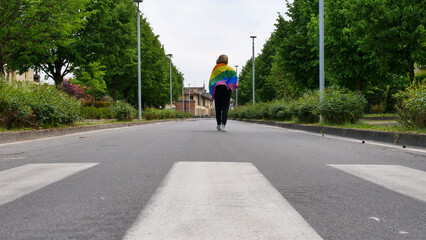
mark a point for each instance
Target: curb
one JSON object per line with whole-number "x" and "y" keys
{"x": 403, "y": 139}
{"x": 9, "y": 137}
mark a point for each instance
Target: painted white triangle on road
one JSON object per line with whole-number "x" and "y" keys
{"x": 408, "y": 181}
{"x": 218, "y": 200}
{"x": 20, "y": 181}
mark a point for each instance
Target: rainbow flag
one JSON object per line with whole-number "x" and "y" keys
{"x": 223, "y": 75}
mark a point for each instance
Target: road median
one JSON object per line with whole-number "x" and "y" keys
{"x": 397, "y": 138}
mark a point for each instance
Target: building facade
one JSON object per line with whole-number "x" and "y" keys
{"x": 197, "y": 101}
{"x": 25, "y": 77}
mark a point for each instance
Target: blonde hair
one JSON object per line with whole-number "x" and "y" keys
{"x": 222, "y": 59}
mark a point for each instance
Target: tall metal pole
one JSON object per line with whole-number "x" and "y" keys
{"x": 189, "y": 98}
{"x": 183, "y": 96}
{"x": 254, "y": 99}
{"x": 170, "y": 61}
{"x": 139, "y": 65}
{"x": 321, "y": 44}
{"x": 236, "y": 91}
{"x": 199, "y": 102}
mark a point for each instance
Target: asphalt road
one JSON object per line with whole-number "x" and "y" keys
{"x": 108, "y": 184}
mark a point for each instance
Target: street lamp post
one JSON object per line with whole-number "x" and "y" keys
{"x": 236, "y": 90}
{"x": 139, "y": 62}
{"x": 170, "y": 61}
{"x": 254, "y": 100}
{"x": 321, "y": 43}
{"x": 183, "y": 96}
{"x": 189, "y": 98}
{"x": 199, "y": 101}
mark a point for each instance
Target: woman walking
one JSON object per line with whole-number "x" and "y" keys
{"x": 223, "y": 81}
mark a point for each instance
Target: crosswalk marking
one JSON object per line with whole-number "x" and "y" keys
{"x": 206, "y": 200}
{"x": 20, "y": 181}
{"x": 408, "y": 181}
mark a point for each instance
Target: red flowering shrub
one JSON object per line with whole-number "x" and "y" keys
{"x": 74, "y": 90}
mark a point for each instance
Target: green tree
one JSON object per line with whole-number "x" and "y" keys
{"x": 349, "y": 63}
{"x": 91, "y": 75}
{"x": 279, "y": 80}
{"x": 296, "y": 55}
{"x": 38, "y": 34}
{"x": 110, "y": 39}
{"x": 393, "y": 30}
{"x": 155, "y": 78}
{"x": 245, "y": 83}
{"x": 265, "y": 89}
{"x": 263, "y": 66}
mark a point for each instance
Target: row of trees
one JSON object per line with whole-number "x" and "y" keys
{"x": 370, "y": 46}
{"x": 94, "y": 40}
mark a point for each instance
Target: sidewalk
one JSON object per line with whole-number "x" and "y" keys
{"x": 8, "y": 137}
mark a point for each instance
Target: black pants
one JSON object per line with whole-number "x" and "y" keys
{"x": 222, "y": 97}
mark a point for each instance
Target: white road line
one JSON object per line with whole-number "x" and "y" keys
{"x": 404, "y": 180}
{"x": 20, "y": 181}
{"x": 61, "y": 136}
{"x": 79, "y": 134}
{"x": 206, "y": 200}
{"x": 369, "y": 142}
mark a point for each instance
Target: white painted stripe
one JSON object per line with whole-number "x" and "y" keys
{"x": 82, "y": 133}
{"x": 408, "y": 181}
{"x": 206, "y": 200}
{"x": 398, "y": 147}
{"x": 20, "y": 181}
{"x": 63, "y": 136}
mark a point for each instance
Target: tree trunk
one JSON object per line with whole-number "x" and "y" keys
{"x": 360, "y": 84}
{"x": 114, "y": 90}
{"x": 57, "y": 75}
{"x": 126, "y": 93}
{"x": 411, "y": 69}
{"x": 136, "y": 98}
{"x": 2, "y": 73}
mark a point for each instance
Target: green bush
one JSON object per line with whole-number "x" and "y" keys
{"x": 341, "y": 106}
{"x": 411, "y": 105}
{"x": 271, "y": 109}
{"x": 305, "y": 109}
{"x": 237, "y": 112}
{"x": 420, "y": 77}
{"x": 29, "y": 105}
{"x": 152, "y": 113}
{"x": 97, "y": 104}
{"x": 149, "y": 114}
{"x": 123, "y": 111}
{"x": 284, "y": 115}
{"x": 256, "y": 111}
{"x": 338, "y": 106}
{"x": 97, "y": 113}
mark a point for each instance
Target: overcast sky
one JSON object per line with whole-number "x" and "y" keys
{"x": 196, "y": 32}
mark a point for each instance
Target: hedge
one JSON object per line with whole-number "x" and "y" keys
{"x": 29, "y": 105}
{"x": 152, "y": 113}
{"x": 338, "y": 106}
{"x": 411, "y": 105}
{"x": 341, "y": 106}
{"x": 97, "y": 113}
{"x": 123, "y": 111}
